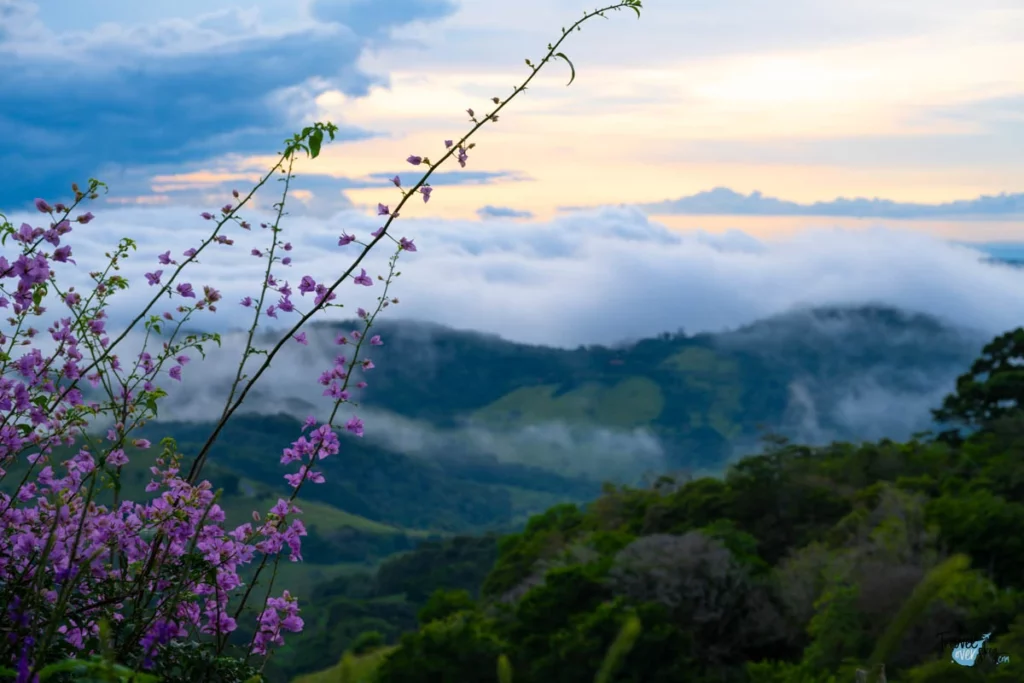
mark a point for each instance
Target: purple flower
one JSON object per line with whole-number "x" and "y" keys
{"x": 425, "y": 191}
{"x": 154, "y": 278}
{"x": 185, "y": 290}
{"x": 301, "y": 338}
{"x": 345, "y": 239}
{"x": 43, "y": 207}
{"x": 355, "y": 426}
{"x": 397, "y": 181}
{"x": 63, "y": 254}
{"x": 363, "y": 279}
{"x": 415, "y": 160}
{"x": 382, "y": 210}
{"x": 407, "y": 244}
{"x": 165, "y": 258}
{"x": 447, "y": 144}
{"x": 117, "y": 458}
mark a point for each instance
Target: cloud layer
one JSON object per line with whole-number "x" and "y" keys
{"x": 596, "y": 276}
{"x": 589, "y": 277}
{"x": 725, "y": 202}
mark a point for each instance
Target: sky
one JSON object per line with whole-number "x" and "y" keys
{"x": 918, "y": 101}
{"x": 712, "y": 163}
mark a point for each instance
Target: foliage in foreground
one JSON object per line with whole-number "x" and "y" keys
{"x": 90, "y": 592}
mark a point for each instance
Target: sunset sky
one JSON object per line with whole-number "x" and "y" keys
{"x": 805, "y": 100}
{"x": 638, "y": 178}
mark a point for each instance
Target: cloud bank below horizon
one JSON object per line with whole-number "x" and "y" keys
{"x": 588, "y": 277}
{"x": 723, "y": 201}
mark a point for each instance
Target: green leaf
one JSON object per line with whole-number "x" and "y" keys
{"x": 571, "y": 67}
{"x": 315, "y": 140}
{"x": 59, "y": 667}
{"x": 619, "y": 649}
{"x": 504, "y": 670}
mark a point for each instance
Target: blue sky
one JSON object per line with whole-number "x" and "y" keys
{"x": 803, "y": 100}
{"x": 704, "y": 146}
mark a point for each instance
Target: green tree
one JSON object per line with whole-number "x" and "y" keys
{"x": 444, "y": 603}
{"x": 988, "y": 528}
{"x": 366, "y": 641}
{"x": 460, "y": 649}
{"x": 992, "y": 389}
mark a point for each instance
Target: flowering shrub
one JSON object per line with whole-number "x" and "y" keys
{"x": 112, "y": 592}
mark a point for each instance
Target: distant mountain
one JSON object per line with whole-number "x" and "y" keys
{"x": 468, "y": 431}
{"x": 478, "y": 404}
{"x": 817, "y": 375}
{"x": 457, "y": 417}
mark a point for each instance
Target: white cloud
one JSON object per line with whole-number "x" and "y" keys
{"x": 596, "y": 276}
{"x": 599, "y": 276}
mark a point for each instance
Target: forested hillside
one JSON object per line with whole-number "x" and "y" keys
{"x": 787, "y": 568}
{"x": 801, "y": 564}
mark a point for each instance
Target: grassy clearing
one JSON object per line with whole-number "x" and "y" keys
{"x": 633, "y": 402}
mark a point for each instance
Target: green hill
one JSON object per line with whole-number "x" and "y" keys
{"x": 800, "y": 565}
{"x": 515, "y": 429}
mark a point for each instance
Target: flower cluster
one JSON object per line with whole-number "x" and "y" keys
{"x": 159, "y": 570}
{"x": 87, "y": 575}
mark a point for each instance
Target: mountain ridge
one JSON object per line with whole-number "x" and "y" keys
{"x": 665, "y": 403}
